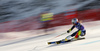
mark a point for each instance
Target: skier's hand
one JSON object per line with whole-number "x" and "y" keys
{"x": 68, "y": 31}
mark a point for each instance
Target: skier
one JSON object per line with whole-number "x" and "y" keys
{"x": 79, "y": 33}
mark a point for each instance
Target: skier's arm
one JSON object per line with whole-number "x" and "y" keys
{"x": 71, "y": 29}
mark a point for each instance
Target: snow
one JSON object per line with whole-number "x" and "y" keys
{"x": 39, "y": 43}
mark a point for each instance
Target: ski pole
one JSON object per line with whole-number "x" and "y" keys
{"x": 57, "y": 36}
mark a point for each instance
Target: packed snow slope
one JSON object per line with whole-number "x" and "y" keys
{"x": 39, "y": 43}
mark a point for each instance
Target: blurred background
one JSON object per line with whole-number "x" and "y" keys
{"x": 24, "y": 15}
{"x": 19, "y": 9}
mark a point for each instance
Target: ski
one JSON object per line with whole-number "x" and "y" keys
{"x": 61, "y": 41}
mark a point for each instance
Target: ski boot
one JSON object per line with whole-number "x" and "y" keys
{"x": 58, "y": 42}
{"x": 80, "y": 38}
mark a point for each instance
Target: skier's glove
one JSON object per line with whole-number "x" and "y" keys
{"x": 68, "y": 31}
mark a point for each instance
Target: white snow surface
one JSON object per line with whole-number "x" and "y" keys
{"x": 39, "y": 43}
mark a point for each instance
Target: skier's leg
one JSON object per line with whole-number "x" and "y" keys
{"x": 83, "y": 34}
{"x": 80, "y": 33}
{"x": 74, "y": 33}
{"x": 70, "y": 36}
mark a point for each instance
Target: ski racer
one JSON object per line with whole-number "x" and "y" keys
{"x": 79, "y": 33}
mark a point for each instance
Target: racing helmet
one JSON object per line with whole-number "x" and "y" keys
{"x": 74, "y": 20}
